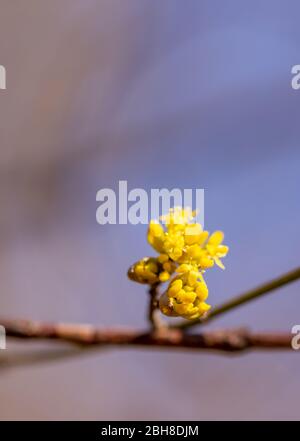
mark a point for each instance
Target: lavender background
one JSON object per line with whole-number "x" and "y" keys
{"x": 163, "y": 94}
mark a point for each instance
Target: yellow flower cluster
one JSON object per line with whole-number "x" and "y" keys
{"x": 186, "y": 294}
{"x": 184, "y": 247}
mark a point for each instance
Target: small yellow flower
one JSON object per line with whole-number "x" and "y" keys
{"x": 185, "y": 295}
{"x": 156, "y": 236}
{"x": 164, "y": 276}
{"x": 193, "y": 234}
{"x": 215, "y": 249}
{"x": 145, "y": 271}
{"x": 174, "y": 245}
{"x": 150, "y": 271}
{"x": 178, "y": 218}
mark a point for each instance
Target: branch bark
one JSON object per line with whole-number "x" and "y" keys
{"x": 235, "y": 340}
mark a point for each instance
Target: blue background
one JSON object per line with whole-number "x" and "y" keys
{"x": 169, "y": 94}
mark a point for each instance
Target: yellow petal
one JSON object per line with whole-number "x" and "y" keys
{"x": 174, "y": 288}
{"x": 164, "y": 276}
{"x": 156, "y": 229}
{"x": 202, "y": 238}
{"x": 216, "y": 238}
{"x": 194, "y": 251}
{"x": 206, "y": 262}
{"x": 188, "y": 288}
{"x": 219, "y": 263}
{"x": 183, "y": 268}
{"x": 203, "y": 307}
{"x": 192, "y": 278}
{"x": 163, "y": 258}
{"x": 186, "y": 297}
{"x": 222, "y": 250}
{"x": 202, "y": 291}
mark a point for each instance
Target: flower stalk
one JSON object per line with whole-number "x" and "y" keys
{"x": 154, "y": 316}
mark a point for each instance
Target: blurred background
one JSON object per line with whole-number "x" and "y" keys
{"x": 168, "y": 94}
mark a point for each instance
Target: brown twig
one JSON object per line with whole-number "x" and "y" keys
{"x": 87, "y": 335}
{"x": 246, "y": 297}
{"x": 154, "y": 315}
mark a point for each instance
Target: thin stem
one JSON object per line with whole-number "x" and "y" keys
{"x": 244, "y": 298}
{"x": 154, "y": 316}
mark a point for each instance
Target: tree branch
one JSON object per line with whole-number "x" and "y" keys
{"x": 259, "y": 291}
{"x": 235, "y": 340}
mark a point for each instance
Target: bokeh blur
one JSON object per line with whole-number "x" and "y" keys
{"x": 186, "y": 94}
